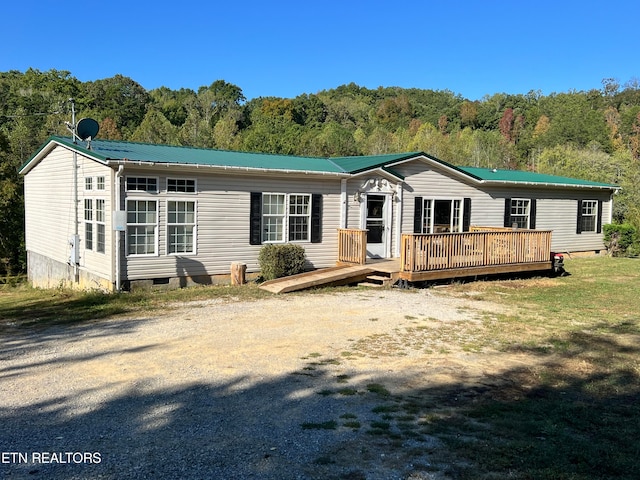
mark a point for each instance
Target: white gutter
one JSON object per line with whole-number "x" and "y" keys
{"x": 547, "y": 184}
{"x": 227, "y": 167}
{"x": 344, "y": 203}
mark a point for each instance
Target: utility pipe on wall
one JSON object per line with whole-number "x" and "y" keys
{"x": 118, "y": 235}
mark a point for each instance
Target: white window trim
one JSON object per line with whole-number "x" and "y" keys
{"x": 88, "y": 184}
{"x": 195, "y": 227}
{"x": 286, "y": 216}
{"x": 195, "y": 186}
{"x": 452, "y": 222}
{"x": 98, "y": 183}
{"x": 88, "y": 221}
{"x": 594, "y": 215}
{"x": 156, "y": 231}
{"x": 102, "y": 223}
{"x": 527, "y": 215}
{"x": 307, "y": 216}
{"x": 137, "y": 192}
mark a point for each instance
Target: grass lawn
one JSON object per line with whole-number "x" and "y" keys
{"x": 575, "y": 414}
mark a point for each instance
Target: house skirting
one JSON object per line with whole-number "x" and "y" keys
{"x": 45, "y": 272}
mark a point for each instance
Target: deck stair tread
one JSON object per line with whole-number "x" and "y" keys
{"x": 379, "y": 278}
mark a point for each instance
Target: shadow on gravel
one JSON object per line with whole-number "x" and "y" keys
{"x": 560, "y": 423}
{"x": 21, "y": 341}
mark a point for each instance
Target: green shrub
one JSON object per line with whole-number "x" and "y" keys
{"x": 281, "y": 260}
{"x": 621, "y": 239}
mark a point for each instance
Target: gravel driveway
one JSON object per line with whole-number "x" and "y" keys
{"x": 281, "y": 388}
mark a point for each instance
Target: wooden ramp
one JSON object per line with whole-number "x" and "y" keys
{"x": 340, "y": 275}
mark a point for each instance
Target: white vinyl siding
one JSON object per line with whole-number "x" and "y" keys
{"x": 49, "y": 215}
{"x": 556, "y": 207}
{"x": 223, "y": 224}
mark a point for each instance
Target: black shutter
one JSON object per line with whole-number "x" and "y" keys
{"x": 532, "y": 214}
{"x": 599, "y": 217}
{"x": 316, "y": 218}
{"x": 466, "y": 216}
{"x": 507, "y": 212}
{"x": 255, "y": 219}
{"x": 417, "y": 215}
{"x": 579, "y": 221}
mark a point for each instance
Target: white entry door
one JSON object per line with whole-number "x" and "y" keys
{"x": 377, "y": 222}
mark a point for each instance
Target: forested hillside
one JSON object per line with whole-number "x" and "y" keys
{"x": 594, "y": 135}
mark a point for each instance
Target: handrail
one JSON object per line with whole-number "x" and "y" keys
{"x": 439, "y": 251}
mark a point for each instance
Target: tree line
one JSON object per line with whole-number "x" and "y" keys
{"x": 594, "y": 135}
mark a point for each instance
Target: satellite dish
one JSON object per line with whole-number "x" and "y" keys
{"x": 87, "y": 128}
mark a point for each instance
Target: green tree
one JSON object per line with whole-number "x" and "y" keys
{"x": 155, "y": 128}
{"x": 119, "y": 98}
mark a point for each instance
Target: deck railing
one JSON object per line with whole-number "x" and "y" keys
{"x": 440, "y": 251}
{"x": 352, "y": 246}
{"x": 480, "y": 228}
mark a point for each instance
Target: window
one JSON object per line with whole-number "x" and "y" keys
{"x": 142, "y": 184}
{"x": 520, "y": 213}
{"x": 142, "y": 218}
{"x": 99, "y": 183}
{"x": 441, "y": 216}
{"x": 88, "y": 224}
{"x": 88, "y": 183}
{"x": 588, "y": 216}
{"x": 299, "y": 217}
{"x": 280, "y": 217}
{"x": 181, "y": 185}
{"x": 181, "y": 222}
{"x": 100, "y": 225}
{"x": 273, "y": 214}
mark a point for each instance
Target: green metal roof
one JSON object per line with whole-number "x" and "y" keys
{"x": 111, "y": 150}
{"x": 117, "y": 151}
{"x": 520, "y": 176}
{"x": 368, "y": 162}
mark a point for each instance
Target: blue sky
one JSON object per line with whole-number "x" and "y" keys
{"x": 286, "y": 48}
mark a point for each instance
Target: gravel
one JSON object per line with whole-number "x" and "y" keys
{"x": 226, "y": 390}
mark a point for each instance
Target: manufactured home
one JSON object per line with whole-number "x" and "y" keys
{"x": 109, "y": 214}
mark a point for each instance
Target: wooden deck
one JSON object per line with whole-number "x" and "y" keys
{"x": 452, "y": 255}
{"x": 425, "y": 257}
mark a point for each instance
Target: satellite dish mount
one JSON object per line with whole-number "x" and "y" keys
{"x": 86, "y": 129}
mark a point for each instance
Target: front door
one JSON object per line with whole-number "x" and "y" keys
{"x": 376, "y": 224}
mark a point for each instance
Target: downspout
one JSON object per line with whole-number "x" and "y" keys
{"x": 344, "y": 204}
{"x": 399, "y": 208}
{"x": 118, "y": 235}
